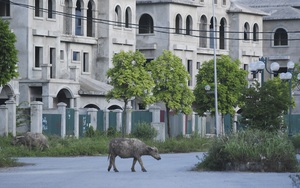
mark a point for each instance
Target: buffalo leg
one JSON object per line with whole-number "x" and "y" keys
{"x": 141, "y": 163}
{"x": 133, "y": 164}
{"x": 112, "y": 163}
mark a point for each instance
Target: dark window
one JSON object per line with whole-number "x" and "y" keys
{"x": 189, "y": 69}
{"x": 128, "y": 18}
{"x": 89, "y": 21}
{"x": 146, "y": 24}
{"x": 38, "y": 57}
{"x": 280, "y": 37}
{"x": 246, "y": 31}
{"x": 50, "y": 9}
{"x": 118, "y": 15}
{"x": 38, "y": 8}
{"x": 203, "y": 32}
{"x": 78, "y": 20}
{"x": 255, "y": 32}
{"x": 178, "y": 24}
{"x": 189, "y": 25}
{"x": 5, "y": 8}
{"x": 222, "y": 34}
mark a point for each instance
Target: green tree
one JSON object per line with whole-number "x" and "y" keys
{"x": 8, "y": 54}
{"x": 263, "y": 107}
{"x": 231, "y": 80}
{"x": 171, "y": 78}
{"x": 130, "y": 79}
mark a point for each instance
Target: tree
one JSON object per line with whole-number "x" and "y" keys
{"x": 171, "y": 78}
{"x": 263, "y": 107}
{"x": 8, "y": 54}
{"x": 231, "y": 80}
{"x": 129, "y": 80}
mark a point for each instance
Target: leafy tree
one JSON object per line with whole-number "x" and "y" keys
{"x": 8, "y": 54}
{"x": 263, "y": 107}
{"x": 231, "y": 80}
{"x": 171, "y": 77}
{"x": 129, "y": 80}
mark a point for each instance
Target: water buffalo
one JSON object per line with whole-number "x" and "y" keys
{"x": 130, "y": 148}
{"x": 31, "y": 140}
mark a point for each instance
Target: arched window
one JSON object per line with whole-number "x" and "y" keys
{"x": 51, "y": 9}
{"x": 246, "y": 31}
{"x": 280, "y": 37}
{"x": 128, "y": 18}
{"x": 211, "y": 32}
{"x": 255, "y": 32}
{"x": 203, "y": 32}
{"x": 68, "y": 19}
{"x": 38, "y": 8}
{"x": 222, "y": 33}
{"x": 118, "y": 15}
{"x": 189, "y": 25}
{"x": 78, "y": 18}
{"x": 178, "y": 24}
{"x": 146, "y": 24}
{"x": 89, "y": 21}
{"x": 5, "y": 8}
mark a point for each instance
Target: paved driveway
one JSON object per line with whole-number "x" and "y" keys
{"x": 173, "y": 171}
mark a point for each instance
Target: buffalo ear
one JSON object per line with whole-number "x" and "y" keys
{"x": 149, "y": 148}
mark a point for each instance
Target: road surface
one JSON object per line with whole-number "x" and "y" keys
{"x": 173, "y": 171}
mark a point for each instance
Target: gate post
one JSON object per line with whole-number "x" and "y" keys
{"x": 119, "y": 119}
{"x": 12, "y": 113}
{"x": 36, "y": 114}
{"x": 160, "y": 127}
{"x": 93, "y": 114}
{"x": 76, "y": 123}
{"x": 106, "y": 120}
{"x": 3, "y": 121}
{"x": 128, "y": 119}
{"x": 62, "y": 111}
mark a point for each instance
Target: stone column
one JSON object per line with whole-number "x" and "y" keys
{"x": 106, "y": 120}
{"x": 46, "y": 71}
{"x": 36, "y": 114}
{"x": 62, "y": 111}
{"x": 119, "y": 119}
{"x": 3, "y": 121}
{"x": 93, "y": 114}
{"x": 128, "y": 119}
{"x": 12, "y": 114}
{"x": 76, "y": 123}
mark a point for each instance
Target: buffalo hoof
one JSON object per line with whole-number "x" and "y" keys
{"x": 116, "y": 170}
{"x": 144, "y": 170}
{"x": 132, "y": 170}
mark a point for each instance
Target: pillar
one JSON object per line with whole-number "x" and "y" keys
{"x": 119, "y": 119}
{"x": 93, "y": 114}
{"x": 3, "y": 121}
{"x": 12, "y": 115}
{"x": 62, "y": 111}
{"x": 36, "y": 114}
{"x": 156, "y": 124}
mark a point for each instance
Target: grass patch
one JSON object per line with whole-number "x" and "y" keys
{"x": 272, "y": 152}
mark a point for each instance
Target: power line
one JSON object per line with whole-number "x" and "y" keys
{"x": 160, "y": 29}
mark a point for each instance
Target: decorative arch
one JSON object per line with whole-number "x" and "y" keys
{"x": 203, "y": 31}
{"x": 246, "y": 31}
{"x": 128, "y": 17}
{"x": 146, "y": 24}
{"x": 255, "y": 32}
{"x": 178, "y": 24}
{"x": 6, "y": 93}
{"x": 280, "y": 37}
{"x": 118, "y": 15}
{"x": 114, "y": 107}
{"x": 64, "y": 95}
{"x": 223, "y": 24}
{"x": 90, "y": 17}
{"x": 92, "y": 106}
{"x": 189, "y": 25}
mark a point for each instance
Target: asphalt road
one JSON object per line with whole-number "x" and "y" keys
{"x": 173, "y": 171}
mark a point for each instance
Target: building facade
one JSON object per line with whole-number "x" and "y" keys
{"x": 66, "y": 46}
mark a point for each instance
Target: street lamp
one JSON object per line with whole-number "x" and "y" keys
{"x": 259, "y": 66}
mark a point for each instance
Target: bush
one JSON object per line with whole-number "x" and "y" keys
{"x": 145, "y": 131}
{"x": 270, "y": 151}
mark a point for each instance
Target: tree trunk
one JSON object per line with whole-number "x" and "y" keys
{"x": 124, "y": 119}
{"x": 168, "y": 122}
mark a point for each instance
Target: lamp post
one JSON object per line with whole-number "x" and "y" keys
{"x": 261, "y": 65}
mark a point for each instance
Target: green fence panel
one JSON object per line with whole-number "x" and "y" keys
{"x": 51, "y": 124}
{"x": 100, "y": 120}
{"x": 189, "y": 125}
{"x": 228, "y": 123}
{"x": 140, "y": 116}
{"x": 70, "y": 113}
{"x": 84, "y": 121}
{"x": 113, "y": 120}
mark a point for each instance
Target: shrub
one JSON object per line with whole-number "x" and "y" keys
{"x": 145, "y": 131}
{"x": 271, "y": 151}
